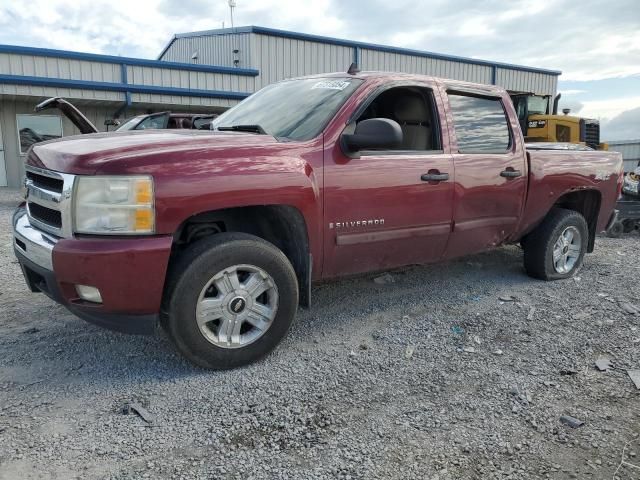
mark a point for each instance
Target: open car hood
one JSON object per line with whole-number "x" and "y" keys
{"x": 71, "y": 112}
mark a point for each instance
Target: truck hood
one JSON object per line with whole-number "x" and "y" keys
{"x": 89, "y": 154}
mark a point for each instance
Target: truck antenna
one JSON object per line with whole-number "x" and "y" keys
{"x": 353, "y": 69}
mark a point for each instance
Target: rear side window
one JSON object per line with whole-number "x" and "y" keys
{"x": 480, "y": 124}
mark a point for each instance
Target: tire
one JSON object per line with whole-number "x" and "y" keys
{"x": 229, "y": 265}
{"x": 628, "y": 226}
{"x": 616, "y": 230}
{"x": 543, "y": 242}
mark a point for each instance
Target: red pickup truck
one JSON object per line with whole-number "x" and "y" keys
{"x": 218, "y": 235}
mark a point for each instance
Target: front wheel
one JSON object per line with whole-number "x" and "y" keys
{"x": 556, "y": 248}
{"x": 231, "y": 298}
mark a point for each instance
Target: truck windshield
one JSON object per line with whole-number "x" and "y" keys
{"x": 292, "y": 109}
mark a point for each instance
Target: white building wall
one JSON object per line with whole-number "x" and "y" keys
{"x": 277, "y": 58}
{"x": 211, "y": 50}
{"x": 286, "y": 55}
{"x": 630, "y": 150}
{"x": 394, "y": 62}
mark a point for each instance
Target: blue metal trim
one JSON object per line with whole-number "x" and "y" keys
{"x": 369, "y": 46}
{"x": 127, "y": 94}
{"x": 139, "y": 62}
{"x": 119, "y": 87}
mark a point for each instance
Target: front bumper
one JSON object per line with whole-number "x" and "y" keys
{"x": 129, "y": 272}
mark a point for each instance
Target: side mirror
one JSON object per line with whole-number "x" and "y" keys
{"x": 373, "y": 133}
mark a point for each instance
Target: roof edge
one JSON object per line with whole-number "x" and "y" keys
{"x": 357, "y": 44}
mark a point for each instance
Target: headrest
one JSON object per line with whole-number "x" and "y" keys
{"x": 411, "y": 109}
{"x": 186, "y": 123}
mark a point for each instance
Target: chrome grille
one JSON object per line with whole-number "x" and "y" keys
{"x": 48, "y": 196}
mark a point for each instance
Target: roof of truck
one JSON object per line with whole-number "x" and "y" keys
{"x": 368, "y": 75}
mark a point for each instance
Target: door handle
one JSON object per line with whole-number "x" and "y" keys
{"x": 434, "y": 177}
{"x": 510, "y": 173}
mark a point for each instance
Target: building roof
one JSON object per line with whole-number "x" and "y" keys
{"x": 354, "y": 44}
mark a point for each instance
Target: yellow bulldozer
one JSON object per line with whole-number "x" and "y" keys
{"x": 540, "y": 122}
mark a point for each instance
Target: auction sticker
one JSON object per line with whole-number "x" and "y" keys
{"x": 331, "y": 85}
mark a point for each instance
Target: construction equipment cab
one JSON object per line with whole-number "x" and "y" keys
{"x": 540, "y": 122}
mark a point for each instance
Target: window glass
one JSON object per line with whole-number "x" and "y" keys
{"x": 480, "y": 124}
{"x": 37, "y": 128}
{"x": 130, "y": 123}
{"x": 152, "y": 122}
{"x": 291, "y": 109}
{"x": 412, "y": 108}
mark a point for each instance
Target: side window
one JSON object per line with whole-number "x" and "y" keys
{"x": 153, "y": 122}
{"x": 414, "y": 110}
{"x": 480, "y": 124}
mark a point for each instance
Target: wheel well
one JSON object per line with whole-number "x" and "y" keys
{"x": 281, "y": 225}
{"x": 587, "y": 203}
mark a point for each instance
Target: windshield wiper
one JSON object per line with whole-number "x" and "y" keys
{"x": 243, "y": 128}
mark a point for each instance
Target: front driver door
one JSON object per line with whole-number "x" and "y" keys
{"x": 381, "y": 211}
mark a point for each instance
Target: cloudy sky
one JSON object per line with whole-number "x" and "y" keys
{"x": 595, "y": 43}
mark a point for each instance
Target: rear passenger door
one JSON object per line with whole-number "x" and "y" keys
{"x": 490, "y": 171}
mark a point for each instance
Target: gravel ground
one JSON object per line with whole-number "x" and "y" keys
{"x": 428, "y": 376}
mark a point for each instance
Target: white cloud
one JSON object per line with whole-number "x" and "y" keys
{"x": 607, "y": 109}
{"x": 572, "y": 92}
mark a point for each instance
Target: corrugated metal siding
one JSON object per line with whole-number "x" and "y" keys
{"x": 187, "y": 79}
{"x": 394, "y": 62}
{"x": 278, "y": 58}
{"x": 521, "y": 81}
{"x": 630, "y": 153}
{"x": 11, "y": 64}
{"x": 212, "y": 50}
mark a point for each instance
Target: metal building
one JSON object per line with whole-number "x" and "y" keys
{"x": 280, "y": 54}
{"x": 201, "y": 72}
{"x": 630, "y": 150}
{"x": 103, "y": 87}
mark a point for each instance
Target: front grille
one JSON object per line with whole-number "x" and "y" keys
{"x": 48, "y": 196}
{"x": 48, "y": 183}
{"x": 45, "y": 215}
{"x": 592, "y": 133}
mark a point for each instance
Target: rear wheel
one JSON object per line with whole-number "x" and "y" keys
{"x": 556, "y": 248}
{"x": 231, "y": 299}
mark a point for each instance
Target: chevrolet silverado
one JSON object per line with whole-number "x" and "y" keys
{"x": 217, "y": 236}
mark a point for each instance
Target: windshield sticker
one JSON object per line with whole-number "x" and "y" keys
{"x": 331, "y": 85}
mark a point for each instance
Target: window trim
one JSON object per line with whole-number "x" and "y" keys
{"x": 461, "y": 92}
{"x": 431, "y": 90}
{"x": 20, "y": 152}
{"x": 406, "y": 153}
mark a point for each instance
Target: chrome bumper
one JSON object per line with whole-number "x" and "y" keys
{"x": 34, "y": 244}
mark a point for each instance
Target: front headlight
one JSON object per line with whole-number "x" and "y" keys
{"x": 114, "y": 205}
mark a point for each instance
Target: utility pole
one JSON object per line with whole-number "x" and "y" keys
{"x": 232, "y": 5}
